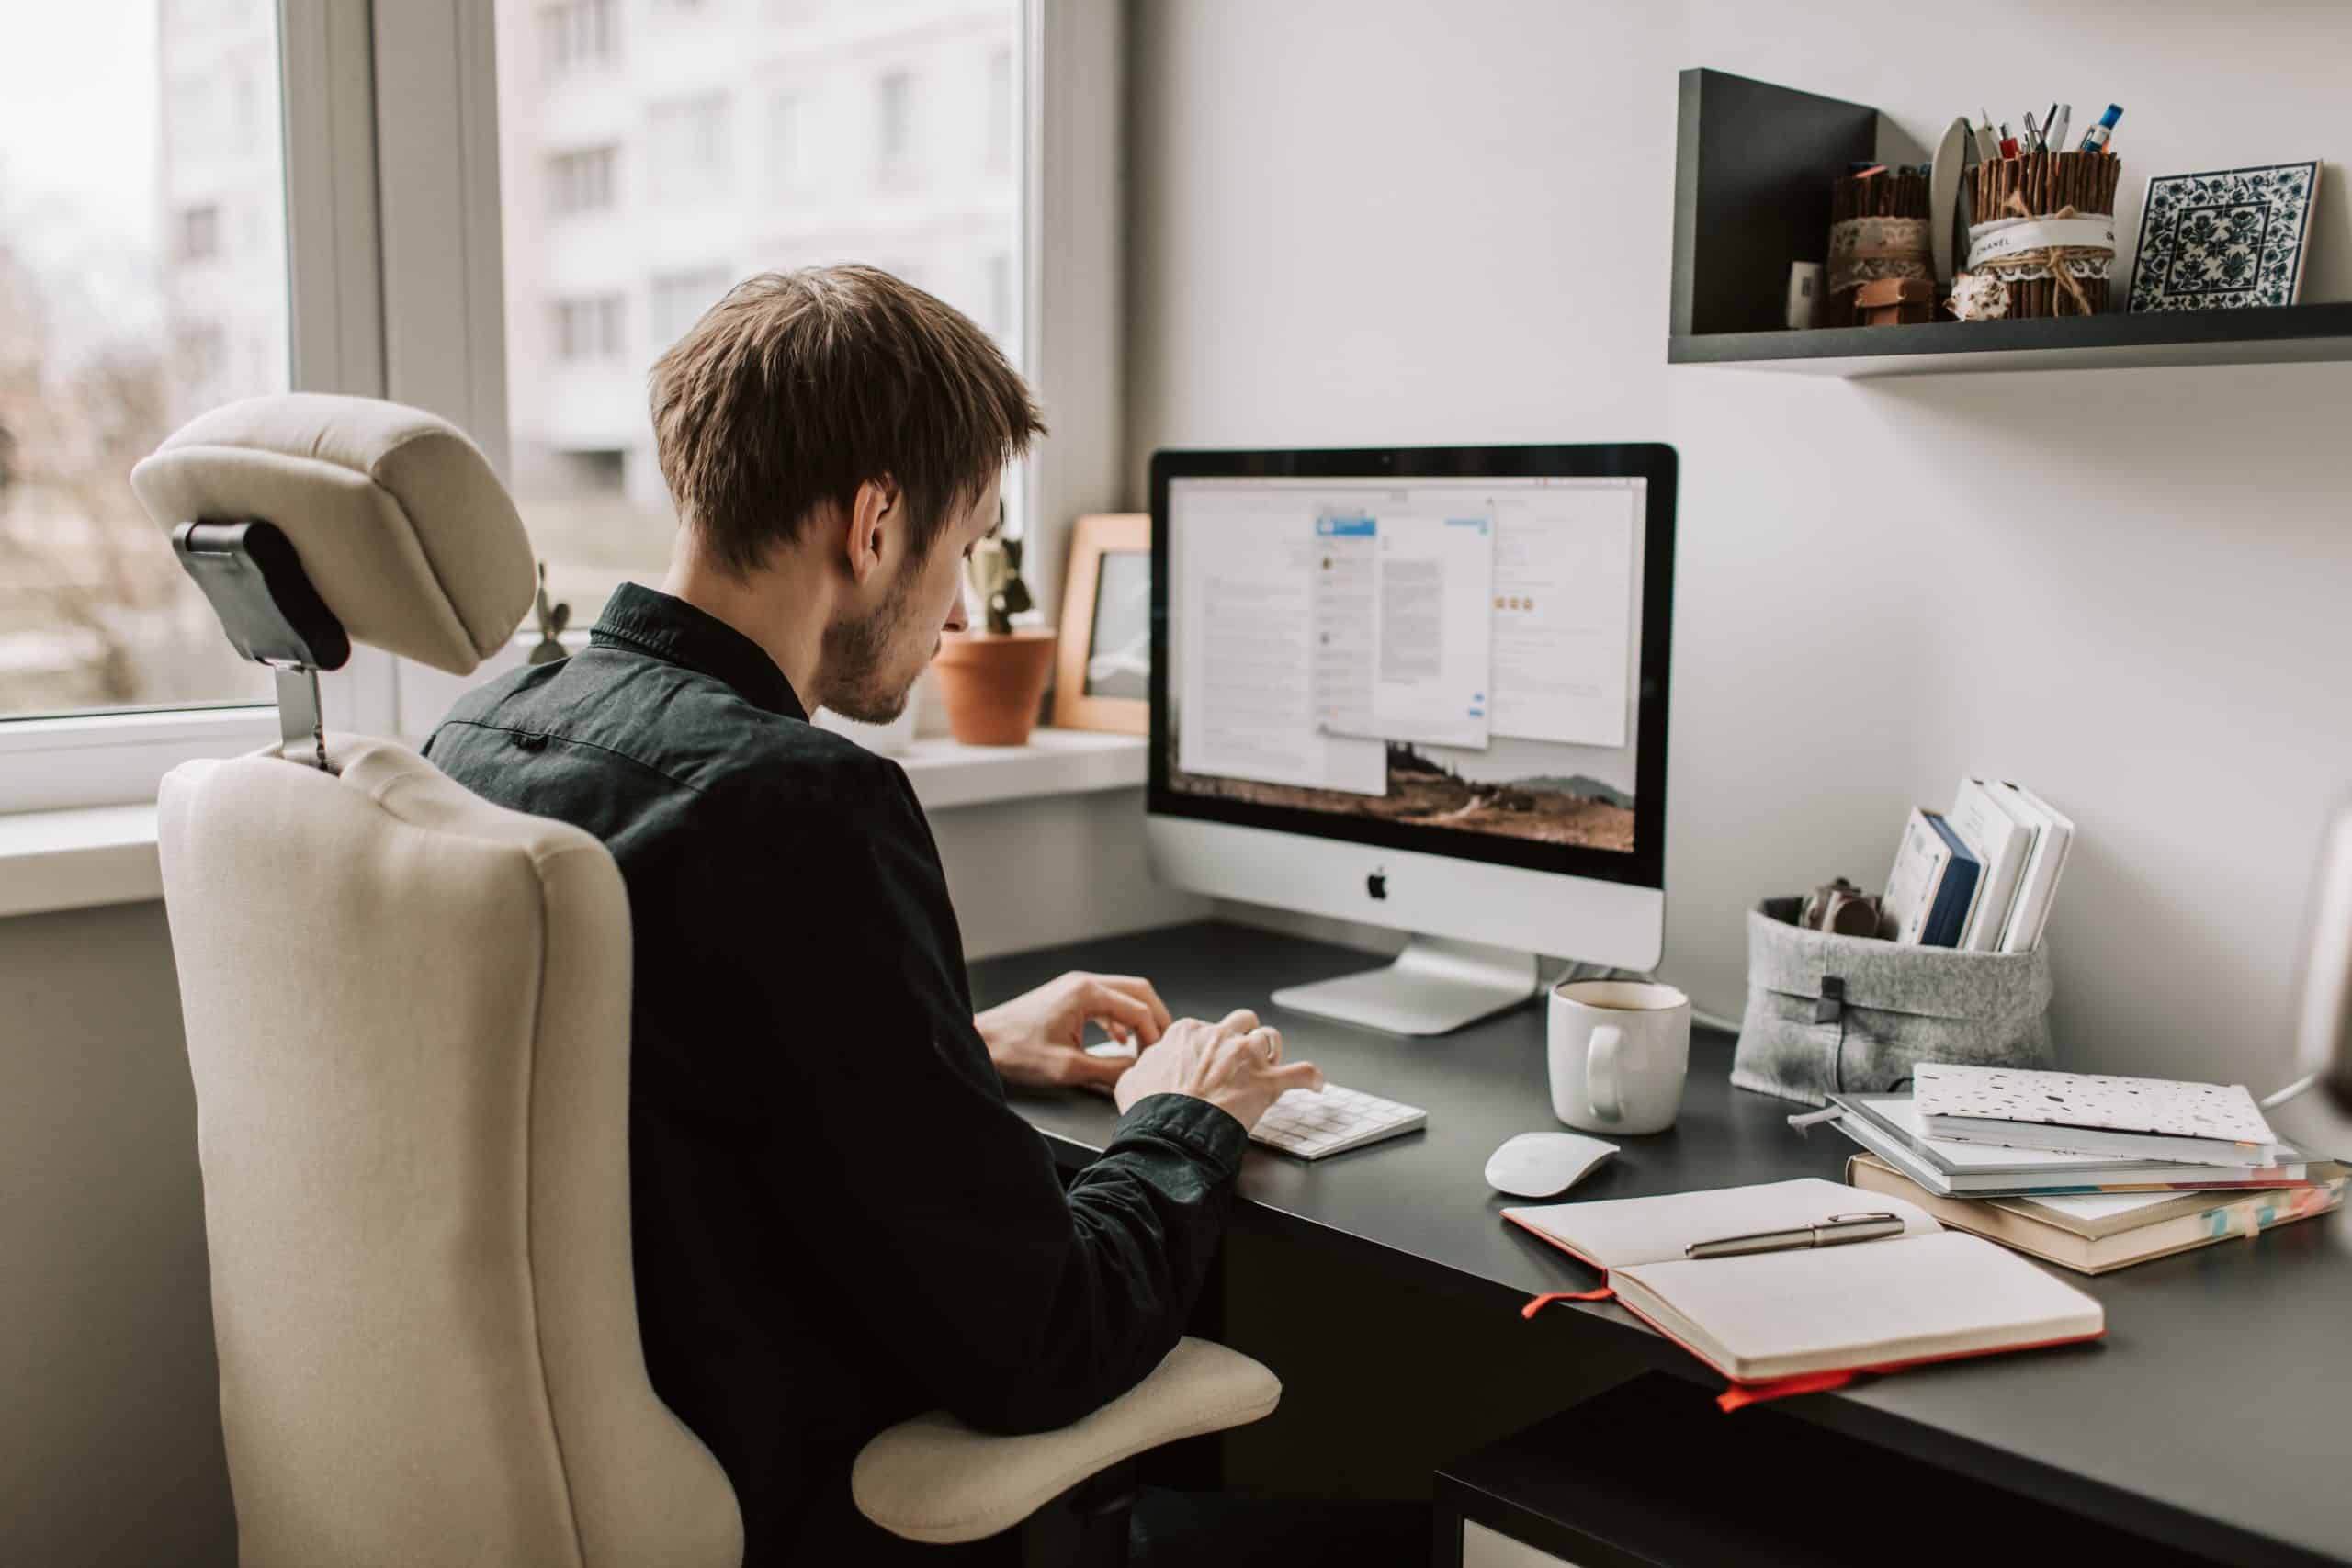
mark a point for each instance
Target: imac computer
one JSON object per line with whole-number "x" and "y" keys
{"x": 1424, "y": 688}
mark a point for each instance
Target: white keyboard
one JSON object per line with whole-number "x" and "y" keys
{"x": 1311, "y": 1125}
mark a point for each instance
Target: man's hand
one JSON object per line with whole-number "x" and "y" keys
{"x": 1038, "y": 1041}
{"x": 1235, "y": 1064}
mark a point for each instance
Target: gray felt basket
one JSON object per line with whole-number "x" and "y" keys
{"x": 1842, "y": 1014}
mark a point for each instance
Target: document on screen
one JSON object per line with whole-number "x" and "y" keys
{"x": 1564, "y": 593}
{"x": 1244, "y": 570}
{"x": 1346, "y": 559}
{"x": 1432, "y": 625}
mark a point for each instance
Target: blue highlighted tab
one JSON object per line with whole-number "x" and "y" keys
{"x": 1346, "y": 527}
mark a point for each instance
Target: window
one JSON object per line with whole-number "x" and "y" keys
{"x": 681, "y": 297}
{"x": 588, "y": 329}
{"x": 577, "y": 33}
{"x": 686, "y": 151}
{"x": 894, "y": 114}
{"x": 582, "y": 469}
{"x": 580, "y": 182}
{"x": 788, "y": 162}
{"x": 999, "y": 321}
{"x": 999, "y": 128}
{"x": 127, "y": 304}
{"x": 199, "y": 232}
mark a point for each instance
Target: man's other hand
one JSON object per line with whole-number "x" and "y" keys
{"x": 1236, "y": 1065}
{"x": 1038, "y": 1041}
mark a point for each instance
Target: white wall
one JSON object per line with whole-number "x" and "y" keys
{"x": 1029, "y": 874}
{"x": 1433, "y": 222}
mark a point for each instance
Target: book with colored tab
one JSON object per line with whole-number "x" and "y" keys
{"x": 2092, "y": 1233}
{"x": 1811, "y": 1317}
{"x": 1889, "y": 1125}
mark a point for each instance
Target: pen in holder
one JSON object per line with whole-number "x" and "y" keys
{"x": 1878, "y": 231}
{"x": 2043, "y": 242}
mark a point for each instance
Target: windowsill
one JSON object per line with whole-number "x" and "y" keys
{"x": 1055, "y": 762}
{"x": 51, "y": 861}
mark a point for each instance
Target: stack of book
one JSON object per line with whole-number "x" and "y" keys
{"x": 1979, "y": 876}
{"x": 2086, "y": 1170}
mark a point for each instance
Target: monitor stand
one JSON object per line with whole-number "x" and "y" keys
{"x": 1436, "y": 986}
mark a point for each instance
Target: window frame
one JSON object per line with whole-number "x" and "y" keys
{"x": 67, "y": 761}
{"x": 383, "y": 302}
{"x": 441, "y": 163}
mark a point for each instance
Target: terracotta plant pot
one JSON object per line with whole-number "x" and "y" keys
{"x": 994, "y": 685}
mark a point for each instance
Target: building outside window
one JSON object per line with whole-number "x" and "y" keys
{"x": 894, "y": 94}
{"x": 687, "y": 147}
{"x": 128, "y": 303}
{"x": 589, "y": 327}
{"x": 580, "y": 181}
{"x": 999, "y": 321}
{"x": 998, "y": 129}
{"x": 801, "y": 76}
{"x": 575, "y": 34}
{"x": 199, "y": 232}
{"x": 681, "y": 297}
{"x": 790, "y": 165}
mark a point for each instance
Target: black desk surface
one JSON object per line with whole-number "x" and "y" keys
{"x": 2208, "y": 1416}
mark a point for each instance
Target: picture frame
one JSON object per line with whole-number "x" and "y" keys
{"x": 1103, "y": 677}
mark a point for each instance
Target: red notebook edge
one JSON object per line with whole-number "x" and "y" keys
{"x": 1739, "y": 1393}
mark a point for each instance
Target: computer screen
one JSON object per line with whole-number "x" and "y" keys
{"x": 1445, "y": 662}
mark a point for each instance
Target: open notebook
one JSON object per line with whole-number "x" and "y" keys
{"x": 1812, "y": 1318}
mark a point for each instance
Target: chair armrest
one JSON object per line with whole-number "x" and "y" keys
{"x": 935, "y": 1480}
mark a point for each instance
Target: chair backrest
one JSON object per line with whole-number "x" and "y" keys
{"x": 407, "y": 1017}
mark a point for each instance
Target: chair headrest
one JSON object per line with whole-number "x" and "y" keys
{"x": 399, "y": 523}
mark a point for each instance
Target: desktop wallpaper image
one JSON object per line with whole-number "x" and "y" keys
{"x": 1426, "y": 790}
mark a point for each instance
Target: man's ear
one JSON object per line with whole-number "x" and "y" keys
{"x": 876, "y": 510}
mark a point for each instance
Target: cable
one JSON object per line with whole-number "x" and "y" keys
{"x": 2290, "y": 1092}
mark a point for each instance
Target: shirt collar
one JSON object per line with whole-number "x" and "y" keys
{"x": 671, "y": 628}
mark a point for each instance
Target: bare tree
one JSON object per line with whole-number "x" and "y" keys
{"x": 78, "y": 555}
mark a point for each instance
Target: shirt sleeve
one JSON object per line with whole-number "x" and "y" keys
{"x": 1018, "y": 1305}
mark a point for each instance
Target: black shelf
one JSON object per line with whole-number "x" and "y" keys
{"x": 1751, "y": 194}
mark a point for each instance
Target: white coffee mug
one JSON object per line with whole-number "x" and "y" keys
{"x": 1619, "y": 1050}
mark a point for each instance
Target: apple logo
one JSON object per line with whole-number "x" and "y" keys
{"x": 1377, "y": 885}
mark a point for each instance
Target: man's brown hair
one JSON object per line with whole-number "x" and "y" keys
{"x": 798, "y": 386}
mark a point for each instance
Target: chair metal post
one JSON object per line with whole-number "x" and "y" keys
{"x": 302, "y": 723}
{"x": 1086, "y": 1527}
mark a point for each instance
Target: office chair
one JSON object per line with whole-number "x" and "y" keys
{"x": 407, "y": 1015}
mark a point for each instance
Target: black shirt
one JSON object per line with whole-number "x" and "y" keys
{"x": 838, "y": 1222}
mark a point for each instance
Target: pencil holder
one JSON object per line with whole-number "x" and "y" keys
{"x": 1832, "y": 1014}
{"x": 1878, "y": 231}
{"x": 2042, "y": 241}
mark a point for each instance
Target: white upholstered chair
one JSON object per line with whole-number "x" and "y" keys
{"x": 407, "y": 1015}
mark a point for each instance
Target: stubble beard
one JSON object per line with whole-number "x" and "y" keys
{"x": 856, "y": 656}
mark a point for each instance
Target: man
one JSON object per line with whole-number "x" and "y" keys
{"x": 839, "y": 1220}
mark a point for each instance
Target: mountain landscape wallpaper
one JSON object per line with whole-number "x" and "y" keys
{"x": 1426, "y": 792}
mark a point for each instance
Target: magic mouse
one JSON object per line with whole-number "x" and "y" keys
{"x": 1543, "y": 1165}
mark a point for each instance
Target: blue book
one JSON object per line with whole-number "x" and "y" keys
{"x": 1955, "y": 895}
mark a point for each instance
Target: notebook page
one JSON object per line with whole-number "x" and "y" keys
{"x": 1616, "y": 1232}
{"x": 2100, "y": 1205}
{"x": 1821, "y": 1309}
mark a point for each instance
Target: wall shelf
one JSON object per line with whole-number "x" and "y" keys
{"x": 1753, "y": 164}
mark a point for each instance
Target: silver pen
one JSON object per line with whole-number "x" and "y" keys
{"x": 1834, "y": 1231}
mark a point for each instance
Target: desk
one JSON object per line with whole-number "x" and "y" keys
{"x": 2210, "y": 1416}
